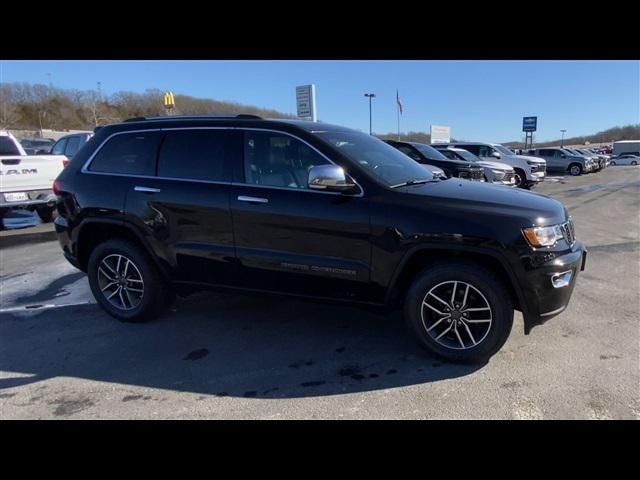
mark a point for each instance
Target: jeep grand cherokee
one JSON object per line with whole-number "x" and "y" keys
{"x": 314, "y": 210}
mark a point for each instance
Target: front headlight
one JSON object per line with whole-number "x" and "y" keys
{"x": 498, "y": 173}
{"x": 543, "y": 236}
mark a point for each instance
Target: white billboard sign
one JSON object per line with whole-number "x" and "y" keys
{"x": 440, "y": 134}
{"x": 306, "y": 101}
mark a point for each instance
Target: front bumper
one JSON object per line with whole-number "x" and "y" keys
{"x": 537, "y": 177}
{"x": 551, "y": 285}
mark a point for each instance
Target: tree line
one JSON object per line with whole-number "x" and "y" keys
{"x": 36, "y": 107}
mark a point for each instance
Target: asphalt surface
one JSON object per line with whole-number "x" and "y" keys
{"x": 219, "y": 356}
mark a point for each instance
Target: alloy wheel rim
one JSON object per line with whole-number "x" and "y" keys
{"x": 120, "y": 282}
{"x": 575, "y": 170}
{"x": 456, "y": 315}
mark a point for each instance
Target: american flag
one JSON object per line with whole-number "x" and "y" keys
{"x": 399, "y": 102}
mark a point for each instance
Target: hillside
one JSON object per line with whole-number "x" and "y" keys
{"x": 628, "y": 132}
{"x": 25, "y": 106}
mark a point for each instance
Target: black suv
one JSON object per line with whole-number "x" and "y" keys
{"x": 310, "y": 209}
{"x": 426, "y": 154}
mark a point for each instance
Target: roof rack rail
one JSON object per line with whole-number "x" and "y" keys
{"x": 171, "y": 117}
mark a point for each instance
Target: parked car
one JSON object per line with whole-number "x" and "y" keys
{"x": 315, "y": 210}
{"x": 529, "y": 171}
{"x": 26, "y": 180}
{"x": 562, "y": 160}
{"x": 625, "y": 159}
{"x": 494, "y": 172}
{"x": 426, "y": 154}
{"x": 37, "y": 146}
{"x": 592, "y": 164}
{"x": 70, "y": 144}
{"x": 597, "y": 163}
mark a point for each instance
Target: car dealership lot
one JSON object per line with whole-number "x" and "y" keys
{"x": 231, "y": 356}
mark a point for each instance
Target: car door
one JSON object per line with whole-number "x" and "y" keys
{"x": 288, "y": 237}
{"x": 183, "y": 206}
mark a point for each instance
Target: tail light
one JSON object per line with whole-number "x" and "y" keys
{"x": 65, "y": 162}
{"x": 56, "y": 187}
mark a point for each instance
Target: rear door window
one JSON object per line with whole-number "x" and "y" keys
{"x": 206, "y": 154}
{"x": 128, "y": 153}
{"x": 7, "y": 147}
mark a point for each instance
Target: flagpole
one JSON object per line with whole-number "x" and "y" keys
{"x": 398, "y": 113}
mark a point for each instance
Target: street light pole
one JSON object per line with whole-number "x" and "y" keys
{"x": 370, "y": 95}
{"x": 562, "y": 140}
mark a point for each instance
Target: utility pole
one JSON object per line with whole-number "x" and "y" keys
{"x": 370, "y": 95}
{"x": 562, "y": 140}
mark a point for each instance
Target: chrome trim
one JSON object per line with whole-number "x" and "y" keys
{"x": 85, "y": 167}
{"x": 146, "y": 189}
{"x": 553, "y": 312}
{"x": 561, "y": 279}
{"x": 244, "y": 198}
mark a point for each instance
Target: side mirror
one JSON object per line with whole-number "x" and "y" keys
{"x": 330, "y": 178}
{"x": 496, "y": 154}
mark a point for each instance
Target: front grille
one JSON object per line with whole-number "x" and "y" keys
{"x": 477, "y": 174}
{"x": 568, "y": 232}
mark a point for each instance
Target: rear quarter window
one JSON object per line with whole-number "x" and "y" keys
{"x": 128, "y": 153}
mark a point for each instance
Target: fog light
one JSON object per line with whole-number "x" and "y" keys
{"x": 562, "y": 279}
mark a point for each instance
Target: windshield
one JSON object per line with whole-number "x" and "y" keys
{"x": 467, "y": 155}
{"x": 428, "y": 151}
{"x": 503, "y": 150}
{"x": 390, "y": 166}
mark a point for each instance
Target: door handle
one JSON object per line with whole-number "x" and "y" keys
{"x": 243, "y": 198}
{"x": 146, "y": 189}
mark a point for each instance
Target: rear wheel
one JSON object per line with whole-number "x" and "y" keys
{"x": 575, "y": 169}
{"x": 125, "y": 282}
{"x": 612, "y": 163}
{"x": 459, "y": 311}
{"x": 633, "y": 162}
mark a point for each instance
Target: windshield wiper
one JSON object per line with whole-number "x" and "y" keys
{"x": 412, "y": 182}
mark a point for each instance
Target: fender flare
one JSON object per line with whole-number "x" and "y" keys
{"x": 164, "y": 270}
{"x": 513, "y": 279}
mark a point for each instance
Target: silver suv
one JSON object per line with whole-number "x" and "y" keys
{"x": 562, "y": 160}
{"x": 528, "y": 170}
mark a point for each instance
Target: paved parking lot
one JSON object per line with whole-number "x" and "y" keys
{"x": 233, "y": 356}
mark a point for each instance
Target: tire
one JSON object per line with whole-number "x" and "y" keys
{"x": 634, "y": 163}
{"x": 485, "y": 289}
{"x": 139, "y": 307}
{"x": 521, "y": 179}
{"x": 612, "y": 164}
{"x": 46, "y": 214}
{"x": 3, "y": 212}
{"x": 575, "y": 169}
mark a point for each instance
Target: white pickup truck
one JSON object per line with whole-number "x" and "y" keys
{"x": 26, "y": 181}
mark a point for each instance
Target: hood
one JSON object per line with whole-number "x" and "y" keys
{"x": 478, "y": 200}
{"x": 496, "y": 165}
{"x": 528, "y": 158}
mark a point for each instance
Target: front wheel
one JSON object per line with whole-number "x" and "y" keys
{"x": 125, "y": 282}
{"x": 521, "y": 179}
{"x": 612, "y": 164}
{"x": 634, "y": 163}
{"x": 575, "y": 169}
{"x": 461, "y": 312}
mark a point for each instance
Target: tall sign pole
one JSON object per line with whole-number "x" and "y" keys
{"x": 306, "y": 102}
{"x": 169, "y": 102}
{"x": 529, "y": 125}
{"x": 370, "y": 95}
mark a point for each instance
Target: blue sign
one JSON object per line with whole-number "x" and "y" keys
{"x": 529, "y": 124}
